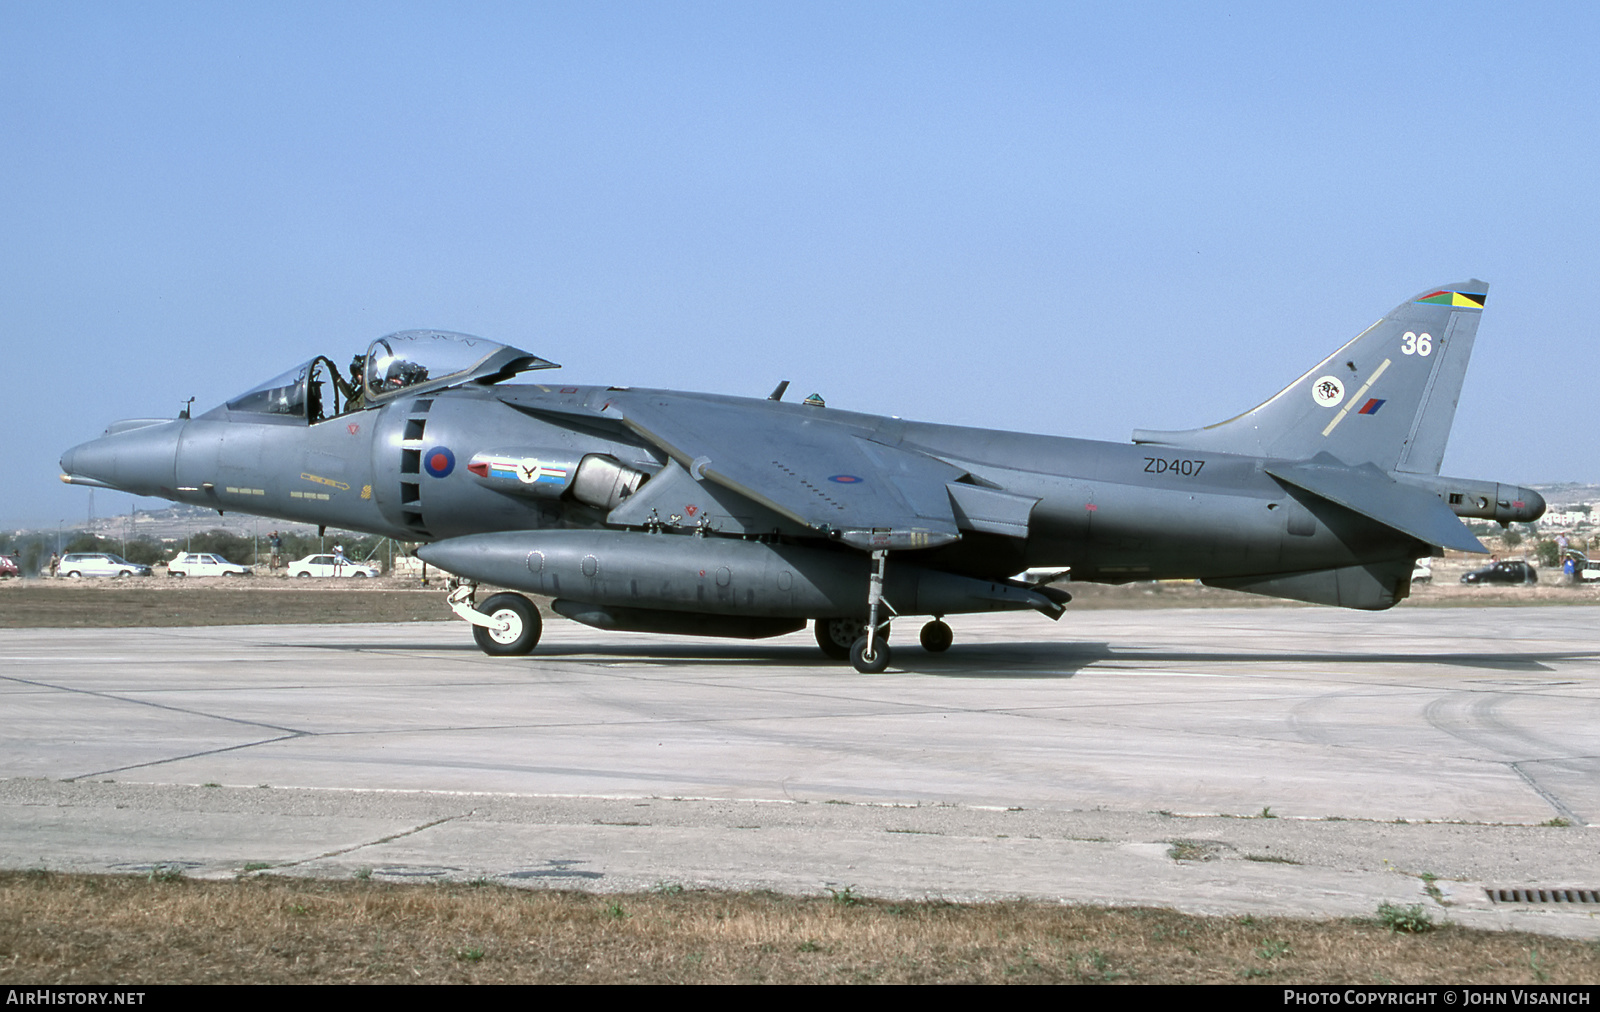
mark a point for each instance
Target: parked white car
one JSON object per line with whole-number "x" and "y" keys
{"x": 75, "y": 564}
{"x": 330, "y": 565}
{"x": 204, "y": 564}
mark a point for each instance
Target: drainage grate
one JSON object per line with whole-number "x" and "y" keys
{"x": 1543, "y": 895}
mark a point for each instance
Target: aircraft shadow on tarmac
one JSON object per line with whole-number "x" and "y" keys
{"x": 998, "y": 660}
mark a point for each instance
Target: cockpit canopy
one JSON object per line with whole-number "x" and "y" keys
{"x": 415, "y": 360}
{"x": 411, "y": 361}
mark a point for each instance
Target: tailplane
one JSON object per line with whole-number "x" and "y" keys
{"x": 1387, "y": 398}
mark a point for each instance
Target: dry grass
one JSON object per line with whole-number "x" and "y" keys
{"x": 93, "y": 929}
{"x": 38, "y": 604}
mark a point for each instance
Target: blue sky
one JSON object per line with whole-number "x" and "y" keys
{"x": 1063, "y": 218}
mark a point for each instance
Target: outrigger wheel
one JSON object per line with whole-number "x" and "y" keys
{"x": 521, "y": 621}
{"x": 936, "y": 637}
{"x": 873, "y": 663}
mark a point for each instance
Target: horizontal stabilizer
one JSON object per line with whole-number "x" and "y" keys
{"x": 1373, "y": 494}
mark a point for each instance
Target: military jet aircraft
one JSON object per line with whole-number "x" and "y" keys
{"x": 661, "y": 511}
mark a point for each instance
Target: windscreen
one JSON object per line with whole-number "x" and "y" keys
{"x": 281, "y": 395}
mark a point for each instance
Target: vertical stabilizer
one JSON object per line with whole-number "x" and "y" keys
{"x": 1387, "y": 398}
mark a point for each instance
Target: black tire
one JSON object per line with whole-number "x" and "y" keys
{"x": 75, "y": 575}
{"x": 124, "y": 572}
{"x": 358, "y": 576}
{"x": 878, "y": 661}
{"x": 936, "y": 637}
{"x": 302, "y": 575}
{"x": 523, "y": 635}
{"x": 836, "y": 635}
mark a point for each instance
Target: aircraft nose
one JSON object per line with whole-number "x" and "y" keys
{"x": 139, "y": 456}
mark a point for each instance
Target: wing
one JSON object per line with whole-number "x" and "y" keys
{"x": 823, "y": 473}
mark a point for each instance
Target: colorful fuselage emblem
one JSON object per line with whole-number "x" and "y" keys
{"x": 1372, "y": 406}
{"x": 439, "y": 461}
{"x": 844, "y": 479}
{"x": 527, "y": 470}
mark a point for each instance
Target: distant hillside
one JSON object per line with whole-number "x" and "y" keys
{"x": 179, "y": 520}
{"x": 1566, "y": 494}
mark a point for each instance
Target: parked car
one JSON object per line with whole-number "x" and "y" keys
{"x": 330, "y": 565}
{"x": 204, "y": 564}
{"x": 1422, "y": 571}
{"x": 76, "y": 564}
{"x": 1587, "y": 569}
{"x": 1510, "y": 571}
{"x": 9, "y": 567}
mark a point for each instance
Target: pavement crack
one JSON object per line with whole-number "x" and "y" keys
{"x": 402, "y": 834}
{"x": 1549, "y": 796}
{"x": 154, "y": 705}
{"x": 191, "y": 755}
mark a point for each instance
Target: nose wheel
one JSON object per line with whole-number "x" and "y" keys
{"x": 516, "y": 626}
{"x": 506, "y": 625}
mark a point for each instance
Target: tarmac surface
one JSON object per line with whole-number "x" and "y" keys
{"x": 1298, "y": 761}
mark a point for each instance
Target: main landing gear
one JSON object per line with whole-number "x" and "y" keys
{"x": 866, "y": 644}
{"x": 836, "y": 636}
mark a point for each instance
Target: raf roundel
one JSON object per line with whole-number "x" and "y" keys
{"x": 844, "y": 479}
{"x": 439, "y": 461}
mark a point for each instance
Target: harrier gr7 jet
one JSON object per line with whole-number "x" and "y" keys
{"x": 669, "y": 512}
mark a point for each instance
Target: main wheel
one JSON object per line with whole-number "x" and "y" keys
{"x": 936, "y": 637}
{"x": 522, "y": 626}
{"x": 869, "y": 665}
{"x": 836, "y": 635}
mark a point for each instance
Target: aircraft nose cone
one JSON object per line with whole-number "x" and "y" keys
{"x": 141, "y": 458}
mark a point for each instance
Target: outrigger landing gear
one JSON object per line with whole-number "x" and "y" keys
{"x": 870, "y": 654}
{"x": 936, "y": 637}
{"x": 507, "y": 625}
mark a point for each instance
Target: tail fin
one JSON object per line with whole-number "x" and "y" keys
{"x": 1387, "y": 398}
